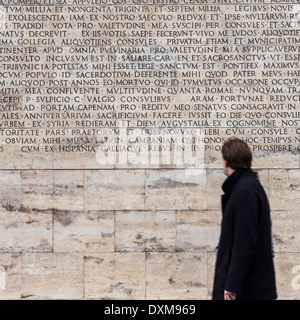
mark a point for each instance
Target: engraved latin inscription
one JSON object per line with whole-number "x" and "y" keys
{"x": 74, "y": 73}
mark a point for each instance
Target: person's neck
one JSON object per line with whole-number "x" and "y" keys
{"x": 230, "y": 171}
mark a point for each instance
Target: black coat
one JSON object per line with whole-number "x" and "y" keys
{"x": 244, "y": 260}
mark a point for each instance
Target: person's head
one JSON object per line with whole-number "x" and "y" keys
{"x": 236, "y": 155}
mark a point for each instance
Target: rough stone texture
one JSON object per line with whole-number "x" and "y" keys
{"x": 11, "y": 190}
{"x": 166, "y": 276}
{"x": 77, "y": 231}
{"x": 284, "y": 189}
{"x": 114, "y": 276}
{"x": 176, "y": 190}
{"x": 25, "y": 231}
{"x": 198, "y": 230}
{"x": 145, "y": 231}
{"x": 287, "y": 266}
{"x": 10, "y": 274}
{"x": 79, "y": 220}
{"x": 52, "y": 276}
{"x": 114, "y": 190}
{"x": 286, "y": 235}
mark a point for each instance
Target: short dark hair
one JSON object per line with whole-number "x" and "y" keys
{"x": 237, "y": 153}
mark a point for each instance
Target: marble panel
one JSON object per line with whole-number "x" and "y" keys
{"x": 10, "y": 190}
{"x": 37, "y": 189}
{"x": 287, "y": 270}
{"x": 285, "y": 229}
{"x": 77, "y": 231}
{"x": 114, "y": 190}
{"x": 25, "y": 231}
{"x": 10, "y": 275}
{"x": 198, "y": 230}
{"x": 114, "y": 276}
{"x": 284, "y": 189}
{"x": 176, "y": 276}
{"x": 176, "y": 189}
{"x": 52, "y": 276}
{"x": 145, "y": 231}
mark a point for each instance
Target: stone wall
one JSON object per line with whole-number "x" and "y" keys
{"x": 113, "y": 113}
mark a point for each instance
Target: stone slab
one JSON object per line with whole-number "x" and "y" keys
{"x": 176, "y": 189}
{"x": 10, "y": 275}
{"x": 77, "y": 231}
{"x": 145, "y": 231}
{"x": 114, "y": 190}
{"x": 166, "y": 276}
{"x": 25, "y": 231}
{"x": 284, "y": 189}
{"x": 52, "y": 276}
{"x": 287, "y": 269}
{"x": 114, "y": 276}
{"x": 198, "y": 231}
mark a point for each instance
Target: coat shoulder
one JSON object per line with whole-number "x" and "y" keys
{"x": 249, "y": 186}
{"x": 247, "y": 183}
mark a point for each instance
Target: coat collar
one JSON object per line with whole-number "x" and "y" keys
{"x": 231, "y": 180}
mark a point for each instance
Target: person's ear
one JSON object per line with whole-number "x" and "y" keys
{"x": 225, "y": 163}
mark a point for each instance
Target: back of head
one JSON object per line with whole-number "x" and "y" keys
{"x": 237, "y": 153}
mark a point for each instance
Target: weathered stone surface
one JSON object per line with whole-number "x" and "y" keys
{"x": 114, "y": 276}
{"x": 215, "y": 179}
{"x": 211, "y": 262}
{"x": 25, "y": 231}
{"x": 285, "y": 228}
{"x": 52, "y": 276}
{"x": 166, "y": 275}
{"x": 37, "y": 189}
{"x": 10, "y": 276}
{"x": 10, "y": 190}
{"x": 64, "y": 159}
{"x": 114, "y": 190}
{"x": 284, "y": 189}
{"x": 47, "y": 189}
{"x": 68, "y": 190}
{"x": 198, "y": 230}
{"x": 77, "y": 231}
{"x": 176, "y": 189}
{"x": 145, "y": 231}
{"x": 287, "y": 269}
{"x": 276, "y": 159}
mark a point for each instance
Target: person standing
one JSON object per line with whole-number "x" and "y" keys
{"x": 244, "y": 267}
